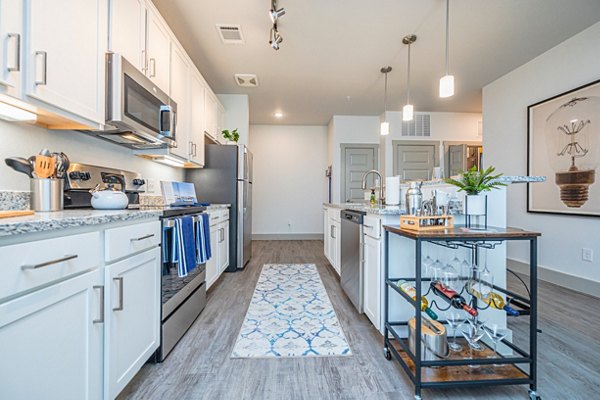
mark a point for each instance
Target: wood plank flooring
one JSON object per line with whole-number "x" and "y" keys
{"x": 200, "y": 368}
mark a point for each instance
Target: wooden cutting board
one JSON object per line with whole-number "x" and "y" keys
{"x": 15, "y": 213}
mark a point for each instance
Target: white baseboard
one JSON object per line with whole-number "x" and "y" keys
{"x": 287, "y": 236}
{"x": 568, "y": 281}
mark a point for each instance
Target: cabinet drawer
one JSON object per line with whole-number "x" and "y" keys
{"x": 334, "y": 214}
{"x": 218, "y": 216}
{"x": 372, "y": 227}
{"x": 121, "y": 242}
{"x": 29, "y": 265}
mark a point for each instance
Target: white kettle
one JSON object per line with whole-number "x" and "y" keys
{"x": 108, "y": 198}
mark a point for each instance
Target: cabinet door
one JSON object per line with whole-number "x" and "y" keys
{"x": 128, "y": 31}
{"x": 158, "y": 45}
{"x": 132, "y": 318}
{"x": 325, "y": 234}
{"x": 210, "y": 121}
{"x": 338, "y": 247}
{"x": 66, "y": 55}
{"x": 51, "y": 344}
{"x": 372, "y": 279}
{"x": 180, "y": 92}
{"x": 11, "y": 39}
{"x": 197, "y": 119}
{"x": 223, "y": 246}
{"x": 220, "y": 123}
{"x": 212, "y": 265}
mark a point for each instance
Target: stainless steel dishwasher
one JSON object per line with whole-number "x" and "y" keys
{"x": 351, "y": 274}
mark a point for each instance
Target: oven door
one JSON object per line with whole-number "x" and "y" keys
{"x": 135, "y": 104}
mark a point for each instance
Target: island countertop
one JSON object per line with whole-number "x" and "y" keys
{"x": 365, "y": 207}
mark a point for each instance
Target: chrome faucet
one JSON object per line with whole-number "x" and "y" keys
{"x": 364, "y": 184}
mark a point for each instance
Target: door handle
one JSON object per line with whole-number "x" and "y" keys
{"x": 101, "y": 319}
{"x": 152, "y": 66}
{"x": 16, "y": 65}
{"x": 190, "y": 148}
{"x": 195, "y": 148}
{"x": 48, "y": 263}
{"x": 142, "y": 238}
{"x": 144, "y": 62}
{"x": 119, "y": 280}
{"x": 44, "y": 57}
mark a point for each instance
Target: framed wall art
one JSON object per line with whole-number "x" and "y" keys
{"x": 563, "y": 144}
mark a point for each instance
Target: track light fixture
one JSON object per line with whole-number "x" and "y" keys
{"x": 275, "y": 37}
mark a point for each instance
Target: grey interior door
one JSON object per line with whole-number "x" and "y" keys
{"x": 414, "y": 161}
{"x": 357, "y": 161}
{"x": 457, "y": 159}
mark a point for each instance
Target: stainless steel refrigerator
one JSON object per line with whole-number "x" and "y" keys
{"x": 227, "y": 178}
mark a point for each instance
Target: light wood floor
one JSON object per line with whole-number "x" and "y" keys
{"x": 200, "y": 367}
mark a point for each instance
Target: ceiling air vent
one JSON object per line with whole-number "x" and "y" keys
{"x": 246, "y": 80}
{"x": 230, "y": 34}
{"x": 419, "y": 126}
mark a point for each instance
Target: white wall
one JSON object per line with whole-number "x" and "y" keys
{"x": 237, "y": 114}
{"x": 289, "y": 179}
{"x": 572, "y": 63}
{"x": 23, "y": 140}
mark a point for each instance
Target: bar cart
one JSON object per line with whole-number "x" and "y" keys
{"x": 454, "y": 371}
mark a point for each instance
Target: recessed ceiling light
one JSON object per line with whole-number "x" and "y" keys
{"x": 278, "y": 114}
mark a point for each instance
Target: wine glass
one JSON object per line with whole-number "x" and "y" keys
{"x": 455, "y": 319}
{"x": 466, "y": 270}
{"x": 427, "y": 263}
{"x": 496, "y": 334}
{"x": 436, "y": 270}
{"x": 481, "y": 325}
{"x": 473, "y": 332}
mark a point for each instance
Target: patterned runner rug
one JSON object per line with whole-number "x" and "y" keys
{"x": 290, "y": 315}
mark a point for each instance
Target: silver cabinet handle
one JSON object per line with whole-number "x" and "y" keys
{"x": 190, "y": 148}
{"x": 48, "y": 263}
{"x": 195, "y": 148}
{"x": 152, "y": 66}
{"x": 16, "y": 65}
{"x": 44, "y": 78}
{"x": 120, "y": 306}
{"x": 368, "y": 226}
{"x": 142, "y": 238}
{"x": 333, "y": 231}
{"x": 101, "y": 319}
{"x": 144, "y": 61}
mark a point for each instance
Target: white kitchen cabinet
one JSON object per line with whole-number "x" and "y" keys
{"x": 51, "y": 342}
{"x": 196, "y": 136}
{"x": 212, "y": 265}
{"x": 11, "y": 41}
{"x": 65, "y": 55}
{"x": 158, "y": 43}
{"x": 210, "y": 115}
{"x": 372, "y": 279}
{"x": 337, "y": 265}
{"x": 132, "y": 307}
{"x": 128, "y": 31}
{"x": 220, "y": 122}
{"x": 180, "y": 92}
{"x": 223, "y": 245}
{"x": 326, "y": 234}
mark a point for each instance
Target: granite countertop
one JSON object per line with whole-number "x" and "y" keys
{"x": 218, "y": 206}
{"x": 383, "y": 210}
{"x": 504, "y": 179}
{"x": 51, "y": 221}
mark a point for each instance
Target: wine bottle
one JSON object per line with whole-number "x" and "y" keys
{"x": 410, "y": 290}
{"x": 488, "y": 296}
{"x": 455, "y": 299}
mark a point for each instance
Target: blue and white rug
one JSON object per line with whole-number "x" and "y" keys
{"x": 290, "y": 315}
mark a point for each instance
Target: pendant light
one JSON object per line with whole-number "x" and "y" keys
{"x": 408, "y": 109}
{"x": 447, "y": 81}
{"x": 385, "y": 125}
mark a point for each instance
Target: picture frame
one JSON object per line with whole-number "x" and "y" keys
{"x": 563, "y": 144}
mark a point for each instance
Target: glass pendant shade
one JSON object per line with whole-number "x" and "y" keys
{"x": 384, "y": 128}
{"x": 408, "y": 112}
{"x": 447, "y": 86}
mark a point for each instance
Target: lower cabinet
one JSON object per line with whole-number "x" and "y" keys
{"x": 51, "y": 341}
{"x": 211, "y": 265}
{"x": 332, "y": 242}
{"x": 132, "y": 306}
{"x": 372, "y": 279}
{"x": 223, "y": 246}
{"x": 219, "y": 244}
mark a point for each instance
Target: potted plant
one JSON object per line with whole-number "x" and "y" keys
{"x": 474, "y": 183}
{"x": 232, "y": 136}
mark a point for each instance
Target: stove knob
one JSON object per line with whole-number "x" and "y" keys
{"x": 139, "y": 182}
{"x": 85, "y": 176}
{"x": 74, "y": 175}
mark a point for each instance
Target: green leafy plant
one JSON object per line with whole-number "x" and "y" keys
{"x": 233, "y": 135}
{"x": 474, "y": 181}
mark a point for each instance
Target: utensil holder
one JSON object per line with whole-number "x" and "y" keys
{"x": 47, "y": 194}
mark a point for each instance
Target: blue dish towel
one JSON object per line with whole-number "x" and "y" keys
{"x": 184, "y": 249}
{"x": 202, "y": 228}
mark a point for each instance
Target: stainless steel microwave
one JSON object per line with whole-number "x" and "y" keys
{"x": 142, "y": 115}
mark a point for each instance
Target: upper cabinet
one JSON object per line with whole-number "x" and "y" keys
{"x": 11, "y": 39}
{"x": 140, "y": 35}
{"x": 180, "y": 92}
{"x": 64, "y": 56}
{"x": 197, "y": 118}
{"x": 211, "y": 117}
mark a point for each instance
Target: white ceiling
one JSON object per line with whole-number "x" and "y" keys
{"x": 335, "y": 48}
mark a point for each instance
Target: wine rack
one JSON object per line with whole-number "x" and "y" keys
{"x": 454, "y": 371}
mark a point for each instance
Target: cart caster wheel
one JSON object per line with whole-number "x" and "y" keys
{"x": 387, "y": 354}
{"x": 534, "y": 396}
{"x": 417, "y": 397}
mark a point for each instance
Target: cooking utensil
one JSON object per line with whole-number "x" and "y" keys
{"x": 66, "y": 163}
{"x": 47, "y": 194}
{"x": 44, "y": 166}
{"x": 45, "y": 152}
{"x": 20, "y": 164}
{"x": 15, "y": 213}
